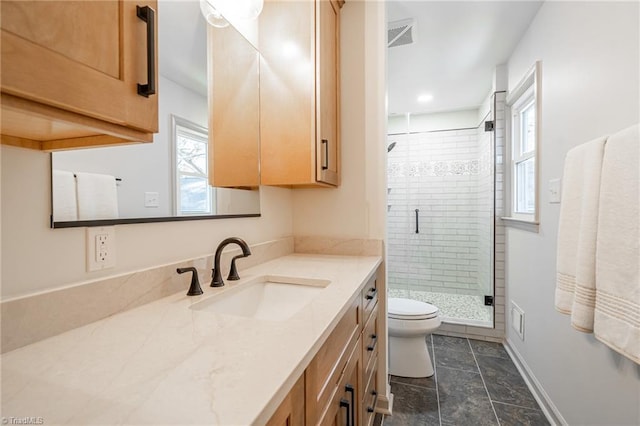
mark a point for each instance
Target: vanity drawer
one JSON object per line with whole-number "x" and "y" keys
{"x": 370, "y": 396}
{"x": 370, "y": 340}
{"x": 369, "y": 297}
{"x": 326, "y": 368}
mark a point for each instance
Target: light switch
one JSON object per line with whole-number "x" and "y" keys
{"x": 151, "y": 199}
{"x": 554, "y": 191}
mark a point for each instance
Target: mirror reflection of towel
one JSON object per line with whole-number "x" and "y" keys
{"x": 65, "y": 202}
{"x": 97, "y": 196}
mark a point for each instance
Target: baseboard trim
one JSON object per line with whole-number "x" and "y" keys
{"x": 385, "y": 403}
{"x": 549, "y": 409}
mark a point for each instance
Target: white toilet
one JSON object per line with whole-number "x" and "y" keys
{"x": 409, "y": 323}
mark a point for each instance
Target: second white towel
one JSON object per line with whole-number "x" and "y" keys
{"x": 97, "y": 196}
{"x": 575, "y": 287}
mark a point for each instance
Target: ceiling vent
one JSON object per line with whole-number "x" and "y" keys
{"x": 400, "y": 33}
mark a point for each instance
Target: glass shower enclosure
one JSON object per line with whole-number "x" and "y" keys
{"x": 440, "y": 221}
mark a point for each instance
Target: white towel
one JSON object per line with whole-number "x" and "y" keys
{"x": 617, "y": 313}
{"x": 575, "y": 276}
{"x": 97, "y": 196}
{"x": 65, "y": 202}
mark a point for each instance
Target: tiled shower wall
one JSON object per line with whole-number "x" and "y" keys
{"x": 446, "y": 176}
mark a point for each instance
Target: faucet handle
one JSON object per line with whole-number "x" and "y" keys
{"x": 233, "y": 273}
{"x": 194, "y": 288}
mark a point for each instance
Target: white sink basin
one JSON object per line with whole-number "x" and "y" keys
{"x": 272, "y": 298}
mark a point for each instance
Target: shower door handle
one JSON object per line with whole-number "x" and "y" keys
{"x": 417, "y": 222}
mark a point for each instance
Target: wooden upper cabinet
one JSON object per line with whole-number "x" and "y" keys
{"x": 234, "y": 109}
{"x": 70, "y": 73}
{"x": 299, "y": 93}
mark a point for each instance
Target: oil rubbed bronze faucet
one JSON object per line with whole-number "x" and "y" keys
{"x": 216, "y": 274}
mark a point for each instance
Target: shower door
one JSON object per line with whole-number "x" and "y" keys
{"x": 440, "y": 221}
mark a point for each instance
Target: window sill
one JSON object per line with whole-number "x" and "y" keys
{"x": 523, "y": 224}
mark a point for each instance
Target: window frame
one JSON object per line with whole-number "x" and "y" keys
{"x": 522, "y": 97}
{"x": 203, "y": 134}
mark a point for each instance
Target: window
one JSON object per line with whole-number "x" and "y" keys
{"x": 523, "y": 120}
{"x": 193, "y": 195}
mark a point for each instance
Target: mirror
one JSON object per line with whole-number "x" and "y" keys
{"x": 167, "y": 179}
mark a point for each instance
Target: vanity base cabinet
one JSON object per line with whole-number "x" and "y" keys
{"x": 71, "y": 71}
{"x": 325, "y": 373}
{"x": 344, "y": 409}
{"x": 291, "y": 410}
{"x": 338, "y": 386}
{"x": 299, "y": 93}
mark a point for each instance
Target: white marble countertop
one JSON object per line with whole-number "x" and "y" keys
{"x": 163, "y": 363}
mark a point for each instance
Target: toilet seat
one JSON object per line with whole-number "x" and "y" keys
{"x": 407, "y": 309}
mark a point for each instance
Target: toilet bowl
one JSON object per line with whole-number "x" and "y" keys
{"x": 410, "y": 321}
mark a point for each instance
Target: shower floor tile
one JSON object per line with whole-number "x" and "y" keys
{"x": 455, "y": 308}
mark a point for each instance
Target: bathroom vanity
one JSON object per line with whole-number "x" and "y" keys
{"x": 181, "y": 360}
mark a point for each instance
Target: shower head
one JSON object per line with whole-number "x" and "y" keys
{"x": 391, "y": 146}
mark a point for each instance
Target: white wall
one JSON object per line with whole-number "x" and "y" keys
{"x": 143, "y": 167}
{"x": 357, "y": 208}
{"x": 590, "y": 87}
{"x": 36, "y": 257}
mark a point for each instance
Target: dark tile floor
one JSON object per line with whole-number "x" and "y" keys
{"x": 476, "y": 383}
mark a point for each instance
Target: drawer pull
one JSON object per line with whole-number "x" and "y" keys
{"x": 148, "y": 15}
{"x": 349, "y": 388}
{"x": 345, "y": 404}
{"x": 374, "y": 340}
{"x": 375, "y": 401}
{"x": 372, "y": 292}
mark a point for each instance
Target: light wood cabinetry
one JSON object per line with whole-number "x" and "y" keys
{"x": 325, "y": 374}
{"x": 71, "y": 72}
{"x": 234, "y": 116}
{"x": 299, "y": 93}
{"x": 291, "y": 410}
{"x": 339, "y": 384}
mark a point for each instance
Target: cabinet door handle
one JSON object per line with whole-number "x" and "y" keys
{"x": 325, "y": 159}
{"x": 345, "y": 404}
{"x": 417, "y": 222}
{"x": 148, "y": 15}
{"x": 349, "y": 388}
{"x": 374, "y": 340}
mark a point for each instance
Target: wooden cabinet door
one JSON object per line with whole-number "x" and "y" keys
{"x": 328, "y": 114}
{"x": 287, "y": 93}
{"x": 234, "y": 109}
{"x": 345, "y": 406}
{"x": 291, "y": 410}
{"x": 85, "y": 57}
{"x": 299, "y": 93}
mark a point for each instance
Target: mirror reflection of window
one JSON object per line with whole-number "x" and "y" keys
{"x": 193, "y": 195}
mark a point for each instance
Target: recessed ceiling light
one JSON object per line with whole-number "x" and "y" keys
{"x": 424, "y": 98}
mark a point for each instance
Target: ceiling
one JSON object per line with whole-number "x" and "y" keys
{"x": 458, "y": 45}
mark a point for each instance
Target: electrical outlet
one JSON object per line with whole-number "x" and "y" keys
{"x": 101, "y": 248}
